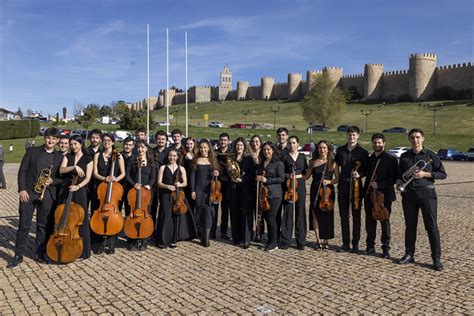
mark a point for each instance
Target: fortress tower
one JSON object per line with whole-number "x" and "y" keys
{"x": 267, "y": 87}
{"x": 421, "y": 79}
{"x": 311, "y": 77}
{"x": 294, "y": 88}
{"x": 225, "y": 84}
{"x": 335, "y": 74}
{"x": 373, "y": 81}
{"x": 242, "y": 88}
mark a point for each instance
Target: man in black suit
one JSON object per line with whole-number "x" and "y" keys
{"x": 35, "y": 161}
{"x": 381, "y": 174}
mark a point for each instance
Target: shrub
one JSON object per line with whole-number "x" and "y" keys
{"x": 19, "y": 129}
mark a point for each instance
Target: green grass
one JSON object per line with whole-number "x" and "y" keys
{"x": 454, "y": 127}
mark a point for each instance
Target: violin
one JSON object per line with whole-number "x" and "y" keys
{"x": 179, "y": 198}
{"x": 325, "y": 202}
{"x": 264, "y": 196}
{"x": 216, "y": 194}
{"x": 291, "y": 195}
{"x": 379, "y": 211}
{"x": 139, "y": 223}
{"x": 107, "y": 219}
{"x": 355, "y": 187}
{"x": 65, "y": 245}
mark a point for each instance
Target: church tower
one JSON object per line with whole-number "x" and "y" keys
{"x": 225, "y": 84}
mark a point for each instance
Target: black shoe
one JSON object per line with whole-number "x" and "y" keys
{"x": 344, "y": 248}
{"x": 271, "y": 248}
{"x": 173, "y": 245}
{"x": 437, "y": 265}
{"x": 385, "y": 254}
{"x": 98, "y": 250}
{"x": 17, "y": 259}
{"x": 143, "y": 245}
{"x": 370, "y": 251}
{"x": 300, "y": 247}
{"x": 406, "y": 259}
{"x": 246, "y": 245}
{"x": 355, "y": 249}
{"x": 224, "y": 236}
{"x": 110, "y": 250}
{"x": 283, "y": 247}
{"x": 42, "y": 258}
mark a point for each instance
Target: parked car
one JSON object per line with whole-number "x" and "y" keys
{"x": 398, "y": 151}
{"x": 317, "y": 128}
{"x": 238, "y": 125}
{"x": 42, "y": 130}
{"x": 447, "y": 153}
{"x": 121, "y": 135}
{"x": 163, "y": 123}
{"x": 342, "y": 128}
{"x": 459, "y": 156}
{"x": 308, "y": 149}
{"x": 470, "y": 154}
{"x": 216, "y": 124}
{"x": 395, "y": 130}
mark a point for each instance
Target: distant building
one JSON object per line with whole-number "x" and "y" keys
{"x": 6, "y": 115}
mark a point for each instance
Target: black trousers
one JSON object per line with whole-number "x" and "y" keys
{"x": 299, "y": 214}
{"x": 225, "y": 210}
{"x": 44, "y": 223}
{"x": 270, "y": 218}
{"x": 3, "y": 183}
{"x": 344, "y": 206}
{"x": 371, "y": 225}
{"x": 241, "y": 217}
{"x": 427, "y": 201}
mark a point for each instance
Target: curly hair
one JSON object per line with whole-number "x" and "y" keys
{"x": 210, "y": 155}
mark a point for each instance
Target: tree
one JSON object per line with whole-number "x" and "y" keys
{"x": 132, "y": 119}
{"x": 353, "y": 93}
{"x": 89, "y": 116}
{"x": 29, "y": 112}
{"x": 105, "y": 110}
{"x": 19, "y": 112}
{"x": 324, "y": 103}
{"x": 64, "y": 113}
{"x": 120, "y": 107}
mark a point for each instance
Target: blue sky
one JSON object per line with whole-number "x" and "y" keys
{"x": 53, "y": 52}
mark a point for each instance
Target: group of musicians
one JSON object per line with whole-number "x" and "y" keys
{"x": 251, "y": 183}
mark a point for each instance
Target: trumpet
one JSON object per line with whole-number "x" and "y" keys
{"x": 409, "y": 175}
{"x": 41, "y": 182}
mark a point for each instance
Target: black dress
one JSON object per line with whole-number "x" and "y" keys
{"x": 171, "y": 227}
{"x": 188, "y": 166}
{"x": 325, "y": 218}
{"x": 201, "y": 184}
{"x": 78, "y": 197}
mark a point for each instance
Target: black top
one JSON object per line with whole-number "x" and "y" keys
{"x": 283, "y": 151}
{"x": 90, "y": 151}
{"x": 275, "y": 175}
{"x": 103, "y": 167}
{"x": 126, "y": 158}
{"x": 300, "y": 164}
{"x": 346, "y": 159}
{"x": 35, "y": 160}
{"x": 160, "y": 157}
{"x": 201, "y": 179}
{"x": 385, "y": 175}
{"x": 221, "y": 159}
{"x": 148, "y": 173}
{"x": 409, "y": 158}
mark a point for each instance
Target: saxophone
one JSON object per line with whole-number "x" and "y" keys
{"x": 233, "y": 168}
{"x": 40, "y": 185}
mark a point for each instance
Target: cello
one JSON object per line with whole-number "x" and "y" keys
{"x": 65, "y": 245}
{"x": 107, "y": 219}
{"x": 139, "y": 223}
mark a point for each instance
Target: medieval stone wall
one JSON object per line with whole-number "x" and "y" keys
{"x": 458, "y": 76}
{"x": 395, "y": 84}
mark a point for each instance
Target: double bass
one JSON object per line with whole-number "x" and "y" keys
{"x": 139, "y": 223}
{"x": 107, "y": 219}
{"x": 65, "y": 245}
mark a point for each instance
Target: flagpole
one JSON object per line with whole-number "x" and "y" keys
{"x": 186, "y": 89}
{"x": 148, "y": 82}
{"x": 167, "y": 84}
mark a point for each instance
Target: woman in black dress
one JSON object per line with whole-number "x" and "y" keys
{"x": 242, "y": 194}
{"x": 294, "y": 161}
{"x": 172, "y": 227}
{"x": 190, "y": 152}
{"x": 102, "y": 169}
{"x": 322, "y": 220}
{"x": 255, "y": 148}
{"x": 271, "y": 172}
{"x": 205, "y": 166}
{"x": 78, "y": 164}
{"x": 144, "y": 157}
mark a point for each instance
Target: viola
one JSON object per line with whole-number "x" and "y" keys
{"x": 179, "y": 198}
{"x": 356, "y": 187}
{"x": 216, "y": 194}
{"x": 264, "y": 196}
{"x": 107, "y": 219}
{"x": 291, "y": 195}
{"x": 379, "y": 211}
{"x": 139, "y": 223}
{"x": 65, "y": 245}
{"x": 325, "y": 202}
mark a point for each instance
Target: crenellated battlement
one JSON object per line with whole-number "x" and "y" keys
{"x": 463, "y": 65}
{"x": 243, "y": 82}
{"x": 353, "y": 76}
{"x": 374, "y": 65}
{"x": 332, "y": 68}
{"x": 423, "y": 56}
{"x": 268, "y": 78}
{"x": 280, "y": 84}
{"x": 294, "y": 74}
{"x": 397, "y": 72}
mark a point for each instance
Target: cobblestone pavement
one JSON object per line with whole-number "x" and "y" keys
{"x": 223, "y": 278}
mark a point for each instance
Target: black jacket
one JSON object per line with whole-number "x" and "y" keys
{"x": 386, "y": 174}
{"x": 275, "y": 175}
{"x": 30, "y": 171}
